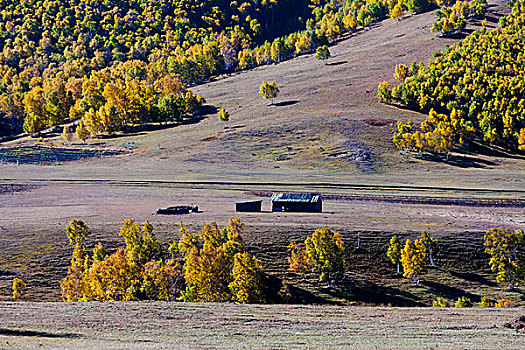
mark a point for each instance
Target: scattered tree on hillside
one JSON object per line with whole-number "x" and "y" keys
{"x": 19, "y": 287}
{"x": 430, "y": 244}
{"x": 440, "y": 302}
{"x": 507, "y": 250}
{"x": 82, "y": 132}
{"x": 224, "y": 117}
{"x": 394, "y": 252}
{"x": 414, "y": 259}
{"x": 323, "y": 252}
{"x": 463, "y": 302}
{"x": 323, "y": 53}
{"x": 285, "y": 293}
{"x": 326, "y": 252}
{"x": 299, "y": 260}
{"x": 504, "y": 303}
{"x": 269, "y": 90}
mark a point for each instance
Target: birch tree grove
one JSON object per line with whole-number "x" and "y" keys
{"x": 136, "y": 272}
{"x": 217, "y": 269}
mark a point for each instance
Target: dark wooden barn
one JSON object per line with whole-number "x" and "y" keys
{"x": 248, "y": 206}
{"x": 298, "y": 202}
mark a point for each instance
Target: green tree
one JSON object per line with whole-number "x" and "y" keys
{"x": 507, "y": 250}
{"x": 394, "y": 252}
{"x": 224, "y": 117}
{"x": 269, "y": 90}
{"x": 77, "y": 232}
{"x": 323, "y": 53}
{"x": 326, "y": 252}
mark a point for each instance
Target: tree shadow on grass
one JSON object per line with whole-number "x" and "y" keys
{"x": 272, "y": 285}
{"x": 368, "y": 292}
{"x": 459, "y": 161}
{"x": 25, "y": 333}
{"x": 336, "y": 63}
{"x": 448, "y": 291}
{"x": 286, "y": 103}
{"x": 473, "y": 277}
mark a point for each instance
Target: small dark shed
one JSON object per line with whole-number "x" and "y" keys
{"x": 248, "y": 206}
{"x": 299, "y": 202}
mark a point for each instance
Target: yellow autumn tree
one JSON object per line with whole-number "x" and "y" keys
{"x": 414, "y": 258}
{"x": 162, "y": 281}
{"x": 207, "y": 274}
{"x": 73, "y": 285}
{"x": 298, "y": 259}
{"x": 215, "y": 267}
{"x": 269, "y": 90}
{"x": 397, "y": 11}
{"x": 18, "y": 288}
{"x": 115, "y": 278}
{"x": 247, "y": 274}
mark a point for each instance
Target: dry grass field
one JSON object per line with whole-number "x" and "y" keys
{"x": 229, "y": 326}
{"x": 327, "y": 134}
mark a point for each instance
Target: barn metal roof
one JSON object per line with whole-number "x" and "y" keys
{"x": 296, "y": 197}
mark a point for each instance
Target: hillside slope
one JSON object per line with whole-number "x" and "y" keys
{"x": 327, "y": 122}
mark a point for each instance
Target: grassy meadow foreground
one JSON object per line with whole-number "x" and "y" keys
{"x": 212, "y": 326}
